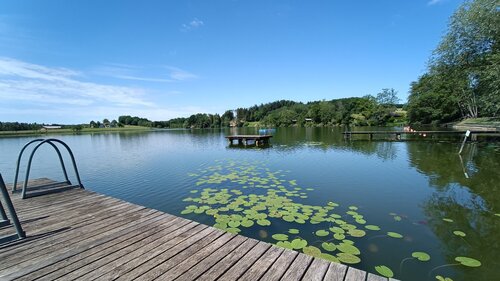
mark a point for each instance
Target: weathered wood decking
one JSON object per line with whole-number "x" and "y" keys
{"x": 78, "y": 234}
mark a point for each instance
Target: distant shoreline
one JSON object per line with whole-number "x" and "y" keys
{"x": 72, "y": 131}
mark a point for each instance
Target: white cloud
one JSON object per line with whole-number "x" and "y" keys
{"x": 434, "y": 2}
{"x": 35, "y": 93}
{"x": 127, "y": 72}
{"x": 25, "y": 81}
{"x": 195, "y": 23}
{"x": 178, "y": 74}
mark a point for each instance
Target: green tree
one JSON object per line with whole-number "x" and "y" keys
{"x": 388, "y": 97}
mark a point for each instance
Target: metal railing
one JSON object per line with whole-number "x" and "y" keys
{"x": 41, "y": 142}
{"x": 4, "y": 220}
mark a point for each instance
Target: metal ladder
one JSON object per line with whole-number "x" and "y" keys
{"x": 46, "y": 188}
{"x": 4, "y": 220}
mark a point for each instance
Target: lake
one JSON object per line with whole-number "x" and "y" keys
{"x": 415, "y": 207}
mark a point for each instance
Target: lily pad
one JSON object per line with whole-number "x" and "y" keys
{"x": 298, "y": 243}
{"x": 372, "y": 227}
{"x": 470, "y": 262}
{"x": 234, "y": 224}
{"x": 421, "y": 256}
{"x": 233, "y": 230}
{"x": 285, "y": 244}
{"x": 441, "y": 278}
{"x": 447, "y": 220}
{"x": 459, "y": 233}
{"x": 384, "y": 271}
{"x": 247, "y": 223}
{"x": 348, "y": 249}
{"x": 335, "y": 229}
{"x": 312, "y": 251}
{"x": 329, "y": 257}
{"x": 356, "y": 233}
{"x": 293, "y": 231}
{"x": 264, "y": 222}
{"x": 322, "y": 233}
{"x": 280, "y": 237}
{"x": 348, "y": 258}
{"x": 185, "y": 212}
{"x": 397, "y": 218}
{"x": 328, "y": 246}
{"x": 339, "y": 236}
{"x": 394, "y": 234}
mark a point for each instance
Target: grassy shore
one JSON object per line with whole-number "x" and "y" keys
{"x": 486, "y": 123}
{"x": 71, "y": 131}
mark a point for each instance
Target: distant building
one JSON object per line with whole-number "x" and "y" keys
{"x": 51, "y": 127}
{"x": 46, "y": 128}
{"x": 309, "y": 119}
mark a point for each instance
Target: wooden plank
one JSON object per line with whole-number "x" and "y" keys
{"x": 212, "y": 259}
{"x": 151, "y": 260}
{"x": 127, "y": 263}
{"x": 72, "y": 247}
{"x": 297, "y": 268}
{"x": 262, "y": 264}
{"x": 219, "y": 268}
{"x": 189, "y": 263}
{"x": 280, "y": 266}
{"x": 147, "y": 229}
{"x": 245, "y": 262}
{"x": 354, "y": 274}
{"x": 27, "y": 246}
{"x": 34, "y": 224}
{"x": 163, "y": 267}
{"x": 336, "y": 272}
{"x": 316, "y": 270}
{"x": 373, "y": 277}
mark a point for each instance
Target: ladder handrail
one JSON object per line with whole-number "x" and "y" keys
{"x": 18, "y": 163}
{"x": 42, "y": 142}
{"x": 10, "y": 207}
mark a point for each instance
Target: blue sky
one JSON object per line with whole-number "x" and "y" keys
{"x": 76, "y": 61}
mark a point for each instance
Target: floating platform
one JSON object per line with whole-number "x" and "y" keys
{"x": 79, "y": 234}
{"x": 245, "y": 140}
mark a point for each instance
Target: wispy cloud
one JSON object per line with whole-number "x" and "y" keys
{"x": 178, "y": 74}
{"x": 36, "y": 93}
{"x": 194, "y": 24}
{"x": 434, "y": 2}
{"x": 129, "y": 72}
{"x": 49, "y": 85}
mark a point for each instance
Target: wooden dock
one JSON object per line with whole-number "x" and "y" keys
{"x": 397, "y": 134}
{"x": 79, "y": 234}
{"x": 248, "y": 139}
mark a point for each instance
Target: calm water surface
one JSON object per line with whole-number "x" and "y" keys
{"x": 319, "y": 181}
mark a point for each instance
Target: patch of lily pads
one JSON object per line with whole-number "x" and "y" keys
{"x": 247, "y": 195}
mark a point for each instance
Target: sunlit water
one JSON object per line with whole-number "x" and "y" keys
{"x": 402, "y": 187}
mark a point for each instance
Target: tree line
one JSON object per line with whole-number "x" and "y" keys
{"x": 463, "y": 76}
{"x": 382, "y": 109}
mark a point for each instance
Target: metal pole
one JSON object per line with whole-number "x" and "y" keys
{"x": 463, "y": 143}
{"x": 10, "y": 208}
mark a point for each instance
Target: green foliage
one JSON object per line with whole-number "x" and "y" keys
{"x": 16, "y": 126}
{"x": 463, "y": 80}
